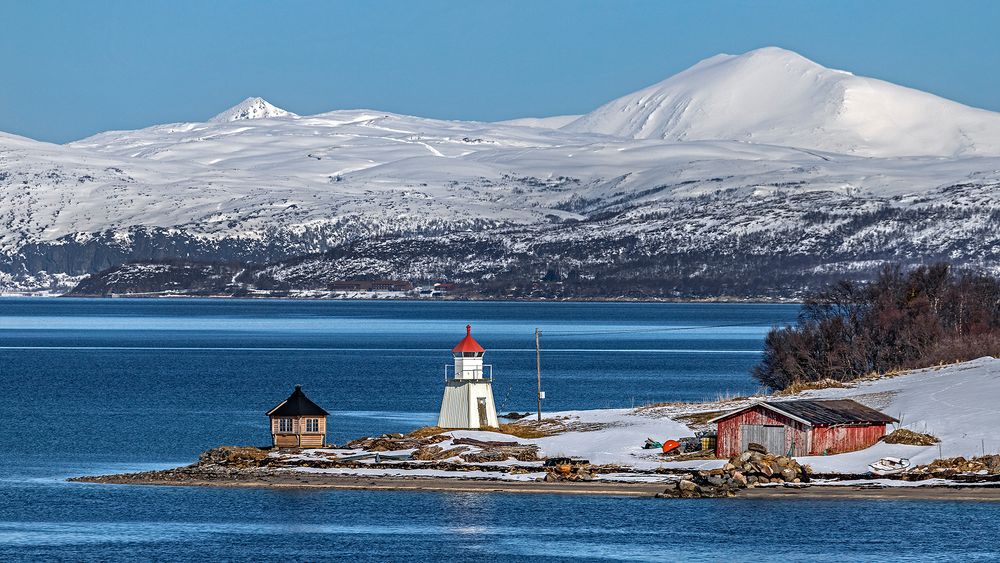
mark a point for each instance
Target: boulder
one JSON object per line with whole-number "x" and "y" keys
{"x": 686, "y": 485}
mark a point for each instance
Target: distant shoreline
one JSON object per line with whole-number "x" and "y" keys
{"x": 706, "y": 300}
{"x": 319, "y": 481}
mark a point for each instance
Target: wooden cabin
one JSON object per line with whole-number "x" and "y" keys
{"x": 801, "y": 428}
{"x": 298, "y": 422}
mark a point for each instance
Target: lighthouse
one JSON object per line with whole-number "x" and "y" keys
{"x": 468, "y": 388}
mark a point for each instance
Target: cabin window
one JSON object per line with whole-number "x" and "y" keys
{"x": 312, "y": 425}
{"x": 284, "y": 425}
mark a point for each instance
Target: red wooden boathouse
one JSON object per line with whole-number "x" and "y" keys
{"x": 806, "y": 427}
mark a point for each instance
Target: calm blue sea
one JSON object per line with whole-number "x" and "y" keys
{"x": 98, "y": 386}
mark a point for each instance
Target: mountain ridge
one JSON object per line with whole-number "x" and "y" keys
{"x": 397, "y": 195}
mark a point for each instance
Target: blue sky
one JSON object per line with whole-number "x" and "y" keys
{"x": 72, "y": 69}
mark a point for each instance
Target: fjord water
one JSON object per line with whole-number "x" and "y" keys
{"x": 99, "y": 386}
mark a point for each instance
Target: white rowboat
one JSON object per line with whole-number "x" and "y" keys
{"x": 890, "y": 466}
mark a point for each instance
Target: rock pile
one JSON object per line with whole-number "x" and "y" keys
{"x": 394, "y": 442}
{"x": 568, "y": 469}
{"x": 234, "y": 456}
{"x": 951, "y": 467}
{"x": 752, "y": 468}
{"x": 503, "y": 453}
{"x": 437, "y": 453}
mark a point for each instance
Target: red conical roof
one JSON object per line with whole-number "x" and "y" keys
{"x": 468, "y": 344}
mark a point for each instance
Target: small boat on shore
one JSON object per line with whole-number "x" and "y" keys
{"x": 890, "y": 466}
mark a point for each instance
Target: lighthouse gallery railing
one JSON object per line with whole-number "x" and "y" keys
{"x": 485, "y": 373}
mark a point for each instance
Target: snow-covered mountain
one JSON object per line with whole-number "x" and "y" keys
{"x": 681, "y": 200}
{"x": 251, "y": 108}
{"x": 775, "y": 96}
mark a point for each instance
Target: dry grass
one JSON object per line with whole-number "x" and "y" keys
{"x": 729, "y": 397}
{"x": 699, "y": 418}
{"x": 522, "y": 429}
{"x": 651, "y": 406}
{"x": 426, "y": 432}
{"x": 800, "y": 386}
{"x": 910, "y": 438}
{"x": 527, "y": 429}
{"x": 721, "y": 398}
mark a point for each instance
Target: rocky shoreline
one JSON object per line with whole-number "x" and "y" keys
{"x": 271, "y": 479}
{"x": 752, "y": 474}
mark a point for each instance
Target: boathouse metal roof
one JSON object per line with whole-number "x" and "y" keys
{"x": 468, "y": 344}
{"x": 297, "y": 404}
{"x": 820, "y": 412}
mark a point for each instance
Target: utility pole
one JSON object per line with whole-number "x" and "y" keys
{"x": 538, "y": 365}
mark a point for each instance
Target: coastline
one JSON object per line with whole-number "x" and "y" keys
{"x": 462, "y": 299}
{"x": 313, "y": 481}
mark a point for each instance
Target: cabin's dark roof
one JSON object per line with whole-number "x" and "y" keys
{"x": 297, "y": 404}
{"x": 822, "y": 412}
{"x": 830, "y": 411}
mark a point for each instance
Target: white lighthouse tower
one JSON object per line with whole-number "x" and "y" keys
{"x": 468, "y": 389}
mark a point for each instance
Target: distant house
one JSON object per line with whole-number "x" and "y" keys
{"x": 298, "y": 422}
{"x": 371, "y": 285}
{"x": 805, "y": 427}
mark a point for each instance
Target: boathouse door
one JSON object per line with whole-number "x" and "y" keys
{"x": 770, "y": 436}
{"x": 484, "y": 421}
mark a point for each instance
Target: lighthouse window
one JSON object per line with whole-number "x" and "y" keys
{"x": 284, "y": 425}
{"x": 312, "y": 425}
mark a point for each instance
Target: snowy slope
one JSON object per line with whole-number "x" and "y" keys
{"x": 776, "y": 96}
{"x": 552, "y": 122}
{"x": 957, "y": 403}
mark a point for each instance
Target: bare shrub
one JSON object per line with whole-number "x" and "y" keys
{"x": 923, "y": 317}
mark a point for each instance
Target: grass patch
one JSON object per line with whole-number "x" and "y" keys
{"x": 800, "y": 386}
{"x": 525, "y": 430}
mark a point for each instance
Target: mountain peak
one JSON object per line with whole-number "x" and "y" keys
{"x": 776, "y": 96}
{"x": 251, "y": 108}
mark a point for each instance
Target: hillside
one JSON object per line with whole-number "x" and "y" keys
{"x": 683, "y": 205}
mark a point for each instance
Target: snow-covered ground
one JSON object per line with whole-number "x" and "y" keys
{"x": 959, "y": 403}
